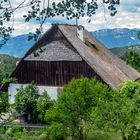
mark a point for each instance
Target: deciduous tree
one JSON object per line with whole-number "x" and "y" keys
{"x": 26, "y": 100}
{"x": 43, "y": 104}
{"x": 74, "y": 105}
{"x": 41, "y": 10}
{"x": 4, "y": 103}
{"x": 120, "y": 111}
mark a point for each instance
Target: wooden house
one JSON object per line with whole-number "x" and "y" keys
{"x": 65, "y": 52}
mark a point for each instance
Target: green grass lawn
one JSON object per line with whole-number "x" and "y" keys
{"x": 100, "y": 135}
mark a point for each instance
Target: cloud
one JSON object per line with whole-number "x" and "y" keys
{"x": 127, "y": 17}
{"x": 121, "y": 20}
{"x": 130, "y": 5}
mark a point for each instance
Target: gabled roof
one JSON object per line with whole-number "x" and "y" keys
{"x": 108, "y": 66}
{"x": 55, "y": 51}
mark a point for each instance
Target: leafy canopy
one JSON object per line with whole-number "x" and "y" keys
{"x": 26, "y": 100}
{"x": 133, "y": 58}
{"x": 121, "y": 111}
{"x": 7, "y": 65}
{"x": 74, "y": 105}
{"x": 43, "y": 103}
{"x": 30, "y": 103}
{"x": 4, "y": 103}
{"x": 41, "y": 10}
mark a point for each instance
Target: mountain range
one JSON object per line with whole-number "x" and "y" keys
{"x": 119, "y": 37}
{"x": 111, "y": 38}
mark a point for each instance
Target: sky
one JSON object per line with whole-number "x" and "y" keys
{"x": 128, "y": 16}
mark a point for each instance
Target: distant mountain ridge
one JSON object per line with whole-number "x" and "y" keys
{"x": 17, "y": 46}
{"x": 118, "y": 37}
{"x": 111, "y": 38}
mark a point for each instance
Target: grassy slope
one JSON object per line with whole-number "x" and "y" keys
{"x": 101, "y": 135}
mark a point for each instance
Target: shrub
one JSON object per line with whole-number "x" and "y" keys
{"x": 57, "y": 131}
{"x": 4, "y": 102}
{"x": 13, "y": 131}
{"x": 134, "y": 133}
{"x": 74, "y": 105}
{"x": 43, "y": 103}
{"x": 119, "y": 110}
{"x": 43, "y": 136}
{"x": 26, "y": 100}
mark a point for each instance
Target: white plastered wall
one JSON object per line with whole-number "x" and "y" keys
{"x": 52, "y": 91}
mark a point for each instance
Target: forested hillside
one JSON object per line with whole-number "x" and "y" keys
{"x": 123, "y": 50}
{"x": 129, "y": 54}
{"x": 7, "y": 64}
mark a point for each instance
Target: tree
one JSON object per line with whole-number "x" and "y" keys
{"x": 41, "y": 10}
{"x": 121, "y": 111}
{"x": 43, "y": 104}
{"x": 74, "y": 105}
{"x": 57, "y": 131}
{"x": 134, "y": 133}
{"x": 26, "y": 100}
{"x": 7, "y": 64}
{"x": 4, "y": 103}
{"x": 132, "y": 58}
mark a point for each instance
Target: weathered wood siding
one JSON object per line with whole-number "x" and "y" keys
{"x": 53, "y": 73}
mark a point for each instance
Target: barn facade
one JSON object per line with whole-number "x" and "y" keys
{"x": 65, "y": 52}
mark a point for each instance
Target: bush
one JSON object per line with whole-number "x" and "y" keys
{"x": 4, "y": 102}
{"x": 2, "y": 130}
{"x": 119, "y": 110}
{"x": 74, "y": 105}
{"x": 57, "y": 131}
{"x": 133, "y": 58}
{"x": 43, "y": 103}
{"x": 134, "y": 133}
{"x": 26, "y": 100}
{"x": 43, "y": 136}
{"x": 13, "y": 131}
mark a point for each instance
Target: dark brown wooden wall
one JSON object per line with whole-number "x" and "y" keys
{"x": 53, "y": 73}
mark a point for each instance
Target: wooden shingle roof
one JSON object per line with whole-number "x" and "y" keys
{"x": 55, "y": 51}
{"x": 107, "y": 65}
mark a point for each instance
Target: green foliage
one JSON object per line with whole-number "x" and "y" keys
{"x": 43, "y": 103}
{"x": 130, "y": 54}
{"x": 8, "y": 80}
{"x": 12, "y": 131}
{"x": 51, "y": 133}
{"x": 98, "y": 134}
{"x": 2, "y": 130}
{"x": 17, "y": 132}
{"x": 43, "y": 136}
{"x": 133, "y": 58}
{"x": 7, "y": 64}
{"x": 26, "y": 100}
{"x": 121, "y": 110}
{"x": 123, "y": 51}
{"x": 4, "y": 103}
{"x": 39, "y": 11}
{"x": 57, "y": 131}
{"x": 29, "y": 102}
{"x": 74, "y": 105}
{"x": 134, "y": 133}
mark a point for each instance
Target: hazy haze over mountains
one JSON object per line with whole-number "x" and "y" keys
{"x": 119, "y": 37}
{"x": 111, "y": 38}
